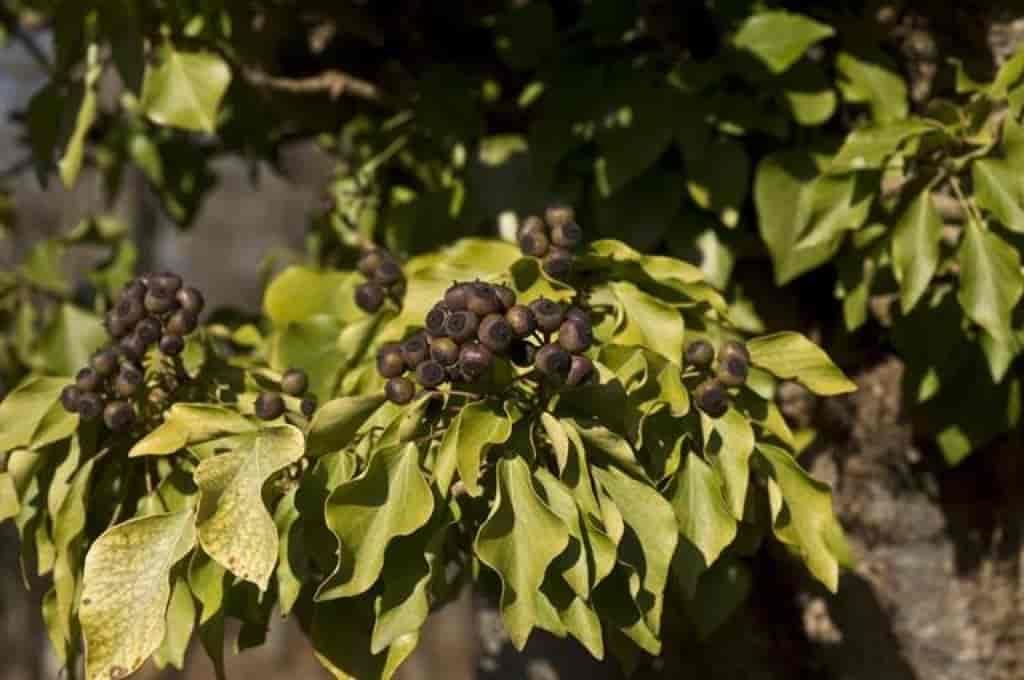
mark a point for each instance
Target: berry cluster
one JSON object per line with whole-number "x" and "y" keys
{"x": 294, "y": 383}
{"x": 553, "y": 239}
{"x": 733, "y": 366}
{"x": 153, "y": 309}
{"x": 384, "y": 279}
{"x": 478, "y": 322}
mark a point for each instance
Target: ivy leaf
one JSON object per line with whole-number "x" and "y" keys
{"x": 519, "y": 539}
{"x": 69, "y": 527}
{"x": 871, "y": 79}
{"x": 70, "y": 163}
{"x": 292, "y": 570}
{"x": 649, "y": 322}
{"x": 299, "y": 293}
{"x": 234, "y": 525}
{"x": 915, "y": 249}
{"x": 720, "y": 591}
{"x": 10, "y": 505}
{"x": 209, "y": 582}
{"x": 779, "y": 38}
{"x": 342, "y": 638}
{"x": 125, "y": 590}
{"x": 475, "y": 429}
{"x": 991, "y": 282}
{"x": 792, "y": 356}
{"x": 30, "y": 404}
{"x": 729, "y": 441}
{"x": 870, "y": 147}
{"x": 635, "y": 141}
{"x": 804, "y": 518}
{"x": 391, "y": 498}
{"x": 808, "y": 93}
{"x": 180, "y": 621}
{"x": 69, "y": 341}
{"x": 717, "y": 177}
{"x": 190, "y": 424}
{"x": 336, "y": 423}
{"x": 998, "y": 189}
{"x": 184, "y": 89}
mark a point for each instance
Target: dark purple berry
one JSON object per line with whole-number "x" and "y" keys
{"x": 128, "y": 381}
{"x": 132, "y": 347}
{"x": 181, "y": 323}
{"x": 191, "y": 301}
{"x": 118, "y": 415}
{"x": 294, "y": 382}
{"x": 159, "y": 304}
{"x": 482, "y": 300}
{"x": 165, "y": 284}
{"x": 549, "y": 314}
{"x": 88, "y": 380}
{"x": 700, "y": 354}
{"x": 430, "y": 374}
{"x": 559, "y": 214}
{"x": 415, "y": 350}
{"x": 308, "y": 405}
{"x": 444, "y": 351}
{"x": 399, "y": 390}
{"x": 558, "y": 263}
{"x": 69, "y": 398}
{"x": 733, "y": 370}
{"x": 436, "y": 317}
{"x": 734, "y": 348}
{"x": 369, "y": 297}
{"x": 712, "y": 398}
{"x": 575, "y": 337}
{"x": 104, "y": 362}
{"x": 390, "y": 363}
{"x": 130, "y": 310}
{"x": 474, "y": 361}
{"x": 461, "y": 326}
{"x": 521, "y": 320}
{"x": 90, "y": 405}
{"x": 568, "y": 235}
{"x": 369, "y": 262}
{"x": 269, "y": 405}
{"x": 397, "y": 290}
{"x": 532, "y": 225}
{"x": 388, "y": 272}
{"x": 495, "y": 333}
{"x": 116, "y": 326}
{"x": 553, "y": 361}
{"x": 171, "y": 344}
{"x": 577, "y": 314}
{"x": 456, "y": 296}
{"x": 133, "y": 289}
{"x": 580, "y": 371}
{"x": 534, "y": 244}
{"x": 506, "y": 296}
{"x": 149, "y": 330}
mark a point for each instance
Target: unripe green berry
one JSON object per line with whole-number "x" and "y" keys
{"x": 712, "y": 398}
{"x": 456, "y": 296}
{"x": 308, "y": 405}
{"x": 269, "y": 405}
{"x": 415, "y": 350}
{"x": 700, "y": 354}
{"x": 90, "y": 406}
{"x": 430, "y": 374}
{"x": 104, "y": 362}
{"x": 461, "y": 326}
{"x": 580, "y": 371}
{"x": 118, "y": 415}
{"x": 553, "y": 361}
{"x": 495, "y": 333}
{"x": 522, "y": 321}
{"x": 549, "y": 314}
{"x": 171, "y": 345}
{"x": 568, "y": 235}
{"x": 534, "y": 245}
{"x": 294, "y": 382}
{"x": 444, "y": 351}
{"x": 436, "y": 317}
{"x": 191, "y": 301}
{"x": 88, "y": 380}
{"x": 733, "y": 370}
{"x": 575, "y": 337}
{"x": 149, "y": 330}
{"x": 390, "y": 363}
{"x": 558, "y": 263}
{"x": 369, "y": 297}
{"x": 559, "y": 214}
{"x": 474, "y": 361}
{"x": 181, "y": 323}
{"x": 69, "y": 398}
{"x": 522, "y": 353}
{"x": 399, "y": 390}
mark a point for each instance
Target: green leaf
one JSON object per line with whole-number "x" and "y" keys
{"x": 298, "y": 293}
{"x": 471, "y": 433}
{"x": 28, "y": 406}
{"x": 998, "y": 189}
{"x": 391, "y": 498}
{"x": 650, "y": 322}
{"x": 717, "y": 177}
{"x": 697, "y": 497}
{"x": 720, "y": 591}
{"x": 126, "y": 588}
{"x": 915, "y": 248}
{"x": 69, "y": 341}
{"x": 10, "y": 505}
{"x": 806, "y": 522}
{"x": 870, "y": 147}
{"x": 519, "y": 539}
{"x": 808, "y": 94}
{"x": 791, "y": 355}
{"x": 336, "y": 423}
{"x": 181, "y": 620}
{"x": 635, "y": 138}
{"x": 991, "y": 282}
{"x": 209, "y": 582}
{"x": 342, "y": 640}
{"x": 729, "y": 441}
{"x": 292, "y": 568}
{"x": 234, "y": 525}
{"x": 779, "y": 38}
{"x": 190, "y": 424}
{"x": 872, "y": 79}
{"x": 184, "y": 89}
{"x": 70, "y": 163}
{"x": 641, "y": 211}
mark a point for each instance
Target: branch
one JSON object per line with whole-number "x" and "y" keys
{"x": 333, "y": 82}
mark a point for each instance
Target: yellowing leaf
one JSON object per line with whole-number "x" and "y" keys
{"x": 9, "y": 503}
{"x": 126, "y": 587}
{"x": 791, "y": 355}
{"x": 184, "y": 89}
{"x": 234, "y": 525}
{"x": 190, "y": 424}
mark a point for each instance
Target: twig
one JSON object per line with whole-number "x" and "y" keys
{"x": 333, "y": 82}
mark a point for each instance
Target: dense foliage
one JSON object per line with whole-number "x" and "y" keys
{"x": 723, "y": 162}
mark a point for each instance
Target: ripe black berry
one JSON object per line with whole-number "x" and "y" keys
{"x": 369, "y": 297}
{"x": 133, "y": 289}
{"x": 165, "y": 284}
{"x": 104, "y": 362}
{"x": 191, "y": 301}
{"x": 159, "y": 304}
{"x": 576, "y": 314}
{"x": 522, "y": 321}
{"x": 308, "y": 405}
{"x": 430, "y": 374}
{"x": 88, "y": 380}
{"x": 495, "y": 333}
{"x": 534, "y": 244}
{"x": 575, "y": 337}
{"x": 415, "y": 350}
{"x": 580, "y": 371}
{"x": 90, "y": 405}
{"x": 118, "y": 415}
{"x": 700, "y": 353}
{"x": 558, "y": 263}
{"x": 397, "y": 290}
{"x": 521, "y": 353}
{"x": 294, "y": 382}
{"x": 444, "y": 351}
{"x": 553, "y": 361}
{"x": 129, "y": 310}
{"x": 549, "y": 314}
{"x": 116, "y": 326}
{"x": 436, "y": 317}
{"x": 399, "y": 390}
{"x": 532, "y": 225}
{"x": 390, "y": 363}
{"x": 712, "y": 398}
{"x": 69, "y": 397}
{"x": 559, "y": 214}
{"x": 149, "y": 330}
{"x": 369, "y": 262}
{"x": 506, "y": 296}
{"x": 733, "y": 370}
{"x": 456, "y": 296}
{"x": 482, "y": 300}
{"x": 132, "y": 347}
{"x": 388, "y": 272}
{"x": 461, "y": 326}
{"x": 171, "y": 344}
{"x": 474, "y": 361}
{"x": 181, "y": 323}
{"x": 734, "y": 348}
{"x": 568, "y": 235}
{"x": 269, "y": 405}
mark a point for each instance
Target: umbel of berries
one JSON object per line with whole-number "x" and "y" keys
{"x": 553, "y": 239}
{"x": 384, "y": 279}
{"x": 476, "y": 324}
{"x": 152, "y": 310}
{"x": 294, "y": 383}
{"x": 712, "y": 395}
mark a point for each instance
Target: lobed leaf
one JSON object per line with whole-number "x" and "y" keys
{"x": 791, "y": 355}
